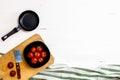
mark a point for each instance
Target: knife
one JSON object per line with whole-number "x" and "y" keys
{"x": 18, "y": 59}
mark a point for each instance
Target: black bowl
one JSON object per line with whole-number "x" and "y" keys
{"x": 35, "y": 44}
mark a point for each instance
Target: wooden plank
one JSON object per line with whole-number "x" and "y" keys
{"x": 26, "y": 70}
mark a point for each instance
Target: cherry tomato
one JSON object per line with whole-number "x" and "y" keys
{"x": 40, "y": 60}
{"x": 43, "y": 54}
{"x": 30, "y": 54}
{"x": 39, "y": 48}
{"x": 33, "y": 49}
{"x": 34, "y": 60}
{"x": 12, "y": 73}
{"x": 37, "y": 54}
{"x": 10, "y": 65}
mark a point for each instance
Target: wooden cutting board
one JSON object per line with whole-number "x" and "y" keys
{"x": 26, "y": 70}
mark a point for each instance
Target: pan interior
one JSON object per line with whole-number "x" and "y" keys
{"x": 29, "y": 21}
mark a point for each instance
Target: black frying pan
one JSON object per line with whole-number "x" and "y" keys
{"x": 28, "y": 20}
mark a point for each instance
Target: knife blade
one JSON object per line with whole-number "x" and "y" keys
{"x": 18, "y": 59}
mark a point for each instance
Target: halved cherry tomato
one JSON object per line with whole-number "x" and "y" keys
{"x": 34, "y": 60}
{"x": 40, "y": 60}
{"x": 33, "y": 49}
{"x": 39, "y": 48}
{"x": 43, "y": 54}
{"x": 30, "y": 55}
{"x": 37, "y": 54}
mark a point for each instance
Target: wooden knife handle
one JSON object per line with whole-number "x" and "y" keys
{"x": 18, "y": 70}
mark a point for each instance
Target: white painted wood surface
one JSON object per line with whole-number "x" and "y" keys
{"x": 78, "y": 32}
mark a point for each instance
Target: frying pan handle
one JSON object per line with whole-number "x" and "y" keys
{"x": 16, "y": 29}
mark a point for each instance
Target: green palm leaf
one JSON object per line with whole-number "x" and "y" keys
{"x": 61, "y": 77}
{"x": 88, "y": 70}
{"x": 110, "y": 69}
